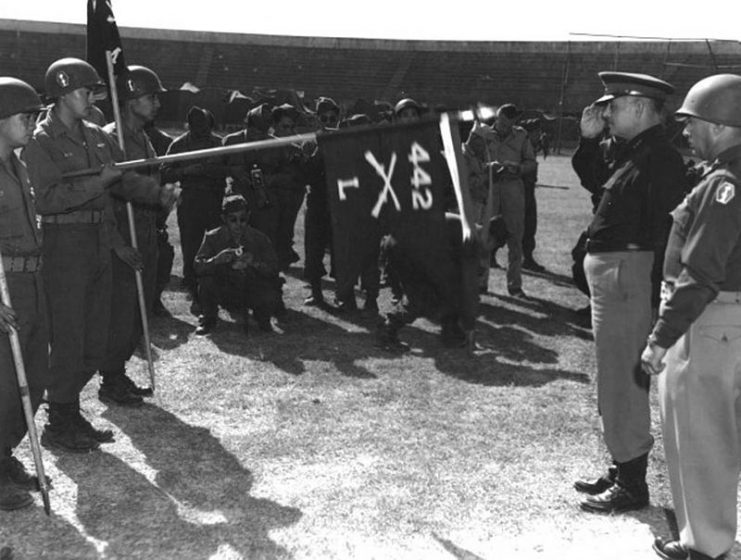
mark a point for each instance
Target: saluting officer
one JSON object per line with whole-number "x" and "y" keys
{"x": 20, "y": 245}
{"x": 79, "y": 232}
{"x": 138, "y": 91}
{"x": 699, "y": 330}
{"x": 625, "y": 246}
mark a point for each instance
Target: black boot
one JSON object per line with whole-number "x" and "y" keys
{"x": 629, "y": 492}
{"x": 11, "y": 496}
{"x": 84, "y": 426}
{"x": 597, "y": 485}
{"x": 115, "y": 390}
{"x": 317, "y": 297}
{"x": 61, "y": 431}
{"x": 17, "y": 473}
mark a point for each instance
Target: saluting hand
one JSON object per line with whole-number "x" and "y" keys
{"x": 592, "y": 124}
{"x": 8, "y": 319}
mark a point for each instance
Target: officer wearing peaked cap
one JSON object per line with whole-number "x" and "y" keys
{"x": 626, "y": 242}
{"x": 698, "y": 331}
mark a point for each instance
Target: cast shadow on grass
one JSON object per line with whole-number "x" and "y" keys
{"x": 456, "y": 551}
{"x": 28, "y": 533}
{"x": 169, "y": 332}
{"x": 199, "y": 503}
{"x": 558, "y": 320}
{"x": 305, "y": 338}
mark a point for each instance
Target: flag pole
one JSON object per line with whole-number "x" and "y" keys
{"x": 132, "y": 226}
{"x": 20, "y": 371}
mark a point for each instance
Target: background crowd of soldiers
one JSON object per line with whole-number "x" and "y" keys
{"x": 102, "y": 236}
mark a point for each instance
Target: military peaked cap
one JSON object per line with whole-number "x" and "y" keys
{"x": 618, "y": 84}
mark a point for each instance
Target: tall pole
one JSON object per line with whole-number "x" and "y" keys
{"x": 132, "y": 226}
{"x": 564, "y": 81}
{"x": 20, "y": 371}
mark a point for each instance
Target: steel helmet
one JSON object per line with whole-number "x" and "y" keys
{"x": 405, "y": 103}
{"x": 138, "y": 81}
{"x": 716, "y": 99}
{"x": 16, "y": 96}
{"x": 68, "y": 74}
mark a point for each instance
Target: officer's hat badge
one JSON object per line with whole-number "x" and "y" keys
{"x": 62, "y": 79}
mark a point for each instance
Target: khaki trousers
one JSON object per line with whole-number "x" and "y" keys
{"x": 620, "y": 285}
{"x": 701, "y": 412}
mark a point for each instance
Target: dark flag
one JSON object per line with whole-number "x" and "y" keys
{"x": 391, "y": 180}
{"x": 102, "y": 36}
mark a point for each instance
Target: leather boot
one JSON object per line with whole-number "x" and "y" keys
{"x": 17, "y": 473}
{"x": 629, "y": 492}
{"x": 84, "y": 426}
{"x": 597, "y": 485}
{"x": 316, "y": 298}
{"x": 115, "y": 390}
{"x": 11, "y": 496}
{"x": 61, "y": 431}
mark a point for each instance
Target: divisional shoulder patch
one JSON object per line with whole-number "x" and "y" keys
{"x": 725, "y": 193}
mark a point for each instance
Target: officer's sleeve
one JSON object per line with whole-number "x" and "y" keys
{"x": 54, "y": 194}
{"x": 590, "y": 165}
{"x": 714, "y": 233}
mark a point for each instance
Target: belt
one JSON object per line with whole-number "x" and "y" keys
{"x": 77, "y": 217}
{"x": 30, "y": 263}
{"x": 593, "y": 247}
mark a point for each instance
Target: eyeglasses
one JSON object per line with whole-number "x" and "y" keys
{"x": 329, "y": 118}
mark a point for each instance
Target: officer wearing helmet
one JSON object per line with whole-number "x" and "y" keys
{"x": 695, "y": 346}
{"x": 20, "y": 245}
{"x": 79, "y": 231}
{"x": 138, "y": 89}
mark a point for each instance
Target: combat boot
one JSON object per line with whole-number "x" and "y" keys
{"x": 62, "y": 433}
{"x": 597, "y": 485}
{"x": 113, "y": 390}
{"x": 18, "y": 475}
{"x": 316, "y": 298}
{"x": 84, "y": 426}
{"x": 629, "y": 492}
{"x": 135, "y": 389}
{"x": 11, "y": 496}
{"x": 387, "y": 337}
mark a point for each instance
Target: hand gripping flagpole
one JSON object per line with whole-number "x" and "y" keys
{"x": 20, "y": 371}
{"x": 132, "y": 226}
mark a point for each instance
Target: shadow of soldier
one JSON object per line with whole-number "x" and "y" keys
{"x": 179, "y": 494}
{"x": 28, "y": 533}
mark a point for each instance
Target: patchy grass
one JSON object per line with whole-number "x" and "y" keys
{"x": 313, "y": 444}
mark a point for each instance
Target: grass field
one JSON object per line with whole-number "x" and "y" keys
{"x": 313, "y": 444}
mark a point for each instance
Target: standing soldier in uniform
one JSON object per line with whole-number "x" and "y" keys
{"x": 698, "y": 331}
{"x": 137, "y": 89}
{"x": 511, "y": 155}
{"x": 626, "y": 239}
{"x": 203, "y": 184}
{"x": 317, "y": 222}
{"x": 79, "y": 233}
{"x": 20, "y": 245}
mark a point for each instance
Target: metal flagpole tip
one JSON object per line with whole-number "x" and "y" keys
{"x": 47, "y": 504}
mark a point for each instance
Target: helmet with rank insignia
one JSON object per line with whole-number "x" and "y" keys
{"x": 16, "y": 96}
{"x": 68, "y": 74}
{"x": 138, "y": 81}
{"x": 716, "y": 99}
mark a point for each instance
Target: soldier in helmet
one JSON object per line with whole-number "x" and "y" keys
{"x": 20, "y": 245}
{"x": 627, "y": 237}
{"x": 138, "y": 91}
{"x": 79, "y": 233}
{"x": 697, "y": 333}
{"x": 407, "y": 110}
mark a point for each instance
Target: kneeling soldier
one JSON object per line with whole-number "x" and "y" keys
{"x": 237, "y": 268}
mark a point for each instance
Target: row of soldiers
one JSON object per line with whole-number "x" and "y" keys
{"x": 75, "y": 315}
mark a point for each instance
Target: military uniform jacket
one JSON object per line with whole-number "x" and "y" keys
{"x": 138, "y": 146}
{"x": 53, "y": 151}
{"x": 265, "y": 261}
{"x": 513, "y": 147}
{"x": 703, "y": 255}
{"x": 213, "y": 172}
{"x": 20, "y": 234}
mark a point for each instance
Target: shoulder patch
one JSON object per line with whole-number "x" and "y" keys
{"x": 725, "y": 193}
